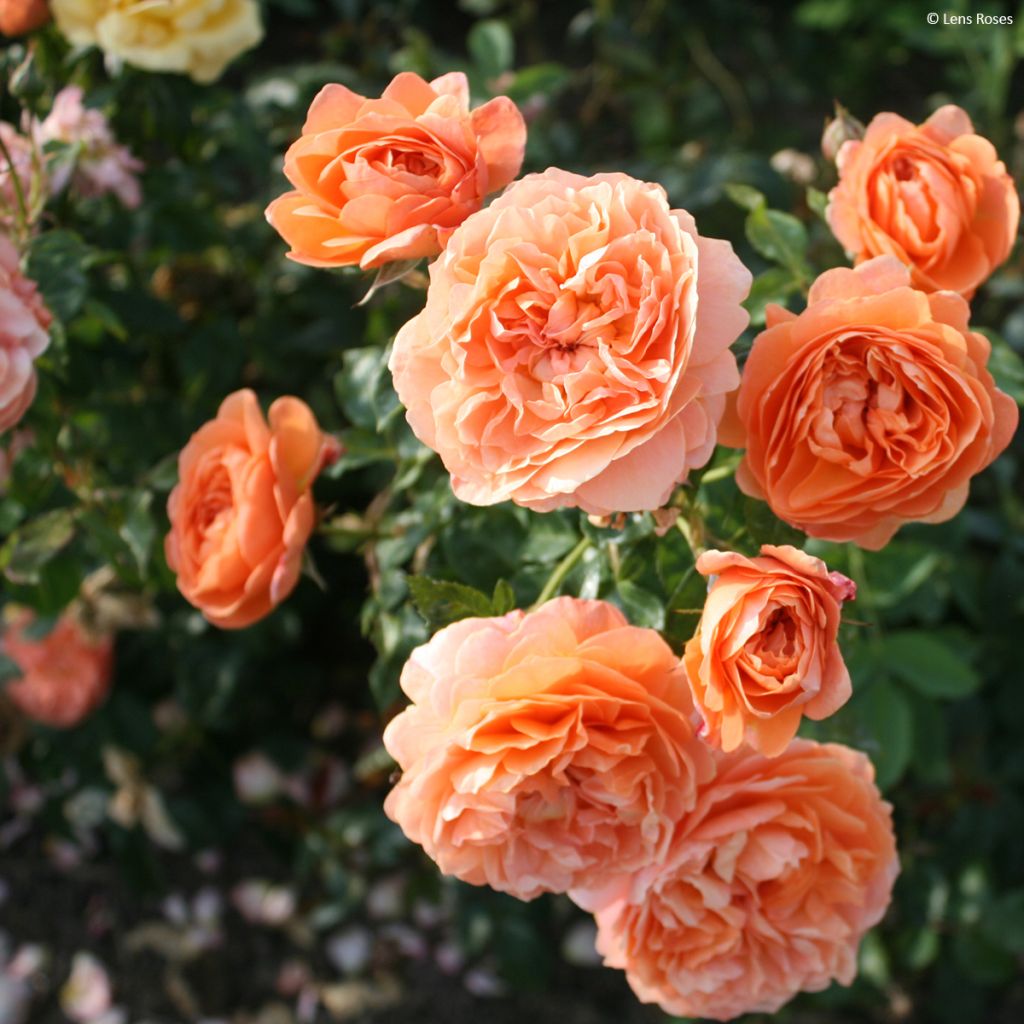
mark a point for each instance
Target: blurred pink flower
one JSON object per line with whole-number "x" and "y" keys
{"x": 24, "y": 334}
{"x": 86, "y": 996}
{"x": 101, "y": 165}
{"x": 263, "y": 902}
{"x": 257, "y": 779}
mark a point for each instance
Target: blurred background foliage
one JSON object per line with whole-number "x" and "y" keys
{"x": 163, "y": 311}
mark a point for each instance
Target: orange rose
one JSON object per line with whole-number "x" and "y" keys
{"x": 65, "y": 673}
{"x": 765, "y": 652}
{"x": 936, "y": 196}
{"x": 388, "y": 179}
{"x": 242, "y": 510}
{"x": 769, "y": 885}
{"x": 20, "y": 16}
{"x": 871, "y": 409}
{"x": 574, "y": 348}
{"x": 545, "y": 751}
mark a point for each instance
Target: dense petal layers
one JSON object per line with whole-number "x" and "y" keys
{"x": 872, "y": 408}
{"x": 24, "y": 335}
{"x": 765, "y": 652}
{"x": 935, "y": 195}
{"x": 574, "y": 347}
{"x": 243, "y": 509}
{"x": 65, "y": 674}
{"x": 767, "y": 889}
{"x": 194, "y": 37}
{"x": 545, "y": 751}
{"x": 378, "y": 180}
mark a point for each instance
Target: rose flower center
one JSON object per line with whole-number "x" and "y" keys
{"x": 871, "y": 404}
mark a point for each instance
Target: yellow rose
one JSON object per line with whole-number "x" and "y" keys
{"x": 196, "y": 37}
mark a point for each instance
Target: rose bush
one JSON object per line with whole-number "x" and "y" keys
{"x": 533, "y": 522}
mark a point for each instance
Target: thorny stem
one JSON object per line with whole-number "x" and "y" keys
{"x": 19, "y": 192}
{"x": 564, "y": 567}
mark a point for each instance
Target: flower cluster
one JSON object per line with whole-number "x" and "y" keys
{"x": 555, "y": 751}
{"x": 574, "y": 350}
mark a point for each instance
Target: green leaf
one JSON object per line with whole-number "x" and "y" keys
{"x": 884, "y": 712}
{"x": 57, "y": 260}
{"x": 746, "y": 196}
{"x": 538, "y": 79}
{"x": 779, "y": 237}
{"x": 139, "y": 528}
{"x": 765, "y": 527}
{"x": 1003, "y": 921}
{"x": 491, "y": 46}
{"x": 388, "y": 274}
{"x": 642, "y": 608}
{"x": 817, "y": 201}
{"x": 503, "y": 600}
{"x": 929, "y": 665}
{"x": 442, "y": 602}
{"x": 29, "y": 548}
{"x": 775, "y": 285}
{"x": 1007, "y": 367}
{"x": 364, "y": 389}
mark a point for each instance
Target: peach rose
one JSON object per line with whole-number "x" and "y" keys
{"x": 545, "y": 751}
{"x": 388, "y": 179}
{"x": 769, "y": 885}
{"x": 871, "y": 409}
{"x": 24, "y": 335}
{"x": 936, "y": 196}
{"x": 65, "y": 673}
{"x": 20, "y": 16}
{"x": 765, "y": 652}
{"x": 242, "y": 510}
{"x": 574, "y": 348}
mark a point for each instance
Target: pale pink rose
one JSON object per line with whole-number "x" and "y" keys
{"x": 24, "y": 335}
{"x": 767, "y": 889}
{"x": 545, "y": 751}
{"x": 574, "y": 348}
{"x": 101, "y": 165}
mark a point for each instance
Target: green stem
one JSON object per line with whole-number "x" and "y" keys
{"x": 564, "y": 567}
{"x": 19, "y": 192}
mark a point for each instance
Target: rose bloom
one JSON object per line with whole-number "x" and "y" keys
{"x": 20, "y": 16}
{"x": 243, "y": 510}
{"x": 24, "y": 335}
{"x": 194, "y": 37}
{"x": 545, "y": 751}
{"x": 871, "y": 409}
{"x": 766, "y": 649}
{"x": 770, "y": 883}
{"x": 574, "y": 348}
{"x": 935, "y": 195}
{"x": 101, "y": 165}
{"x": 65, "y": 674}
{"x": 387, "y": 179}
